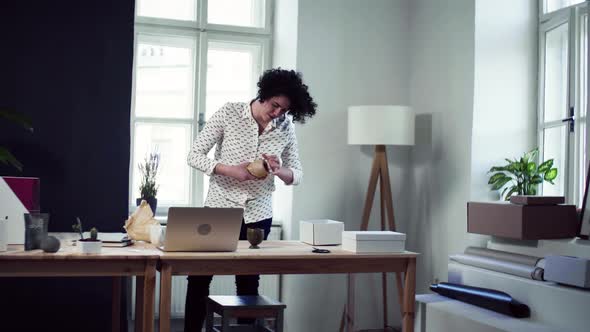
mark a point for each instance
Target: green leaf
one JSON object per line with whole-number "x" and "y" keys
{"x": 513, "y": 190}
{"x": 532, "y": 155}
{"x": 551, "y": 175}
{"x": 513, "y": 168}
{"x": 532, "y": 190}
{"x": 531, "y": 167}
{"x": 503, "y": 191}
{"x": 537, "y": 179}
{"x": 545, "y": 166}
{"x": 8, "y": 159}
{"x": 15, "y": 117}
{"x": 496, "y": 177}
{"x": 498, "y": 169}
{"x": 500, "y": 183}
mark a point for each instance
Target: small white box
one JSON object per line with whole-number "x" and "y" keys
{"x": 373, "y": 241}
{"x": 321, "y": 232}
{"x": 567, "y": 270}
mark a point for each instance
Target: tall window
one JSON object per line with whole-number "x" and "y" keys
{"x": 191, "y": 56}
{"x": 563, "y": 59}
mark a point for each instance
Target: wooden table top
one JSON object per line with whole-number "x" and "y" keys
{"x": 281, "y": 250}
{"x": 268, "y": 250}
{"x": 67, "y": 251}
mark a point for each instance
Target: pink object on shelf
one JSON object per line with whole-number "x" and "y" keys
{"x": 27, "y": 191}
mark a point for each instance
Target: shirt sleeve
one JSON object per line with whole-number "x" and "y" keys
{"x": 290, "y": 157}
{"x": 211, "y": 134}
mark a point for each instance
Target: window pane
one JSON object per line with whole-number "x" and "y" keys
{"x": 164, "y": 80}
{"x": 553, "y": 5}
{"x": 555, "y": 147}
{"x": 582, "y": 161}
{"x": 172, "y": 141}
{"x": 185, "y": 10}
{"x": 233, "y": 70}
{"x": 556, "y": 59}
{"x": 583, "y": 65}
{"x": 246, "y": 13}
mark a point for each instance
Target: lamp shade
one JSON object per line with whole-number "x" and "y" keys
{"x": 381, "y": 125}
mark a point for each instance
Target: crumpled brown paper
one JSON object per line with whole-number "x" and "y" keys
{"x": 139, "y": 223}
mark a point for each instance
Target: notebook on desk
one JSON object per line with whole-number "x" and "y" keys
{"x": 202, "y": 229}
{"x": 111, "y": 239}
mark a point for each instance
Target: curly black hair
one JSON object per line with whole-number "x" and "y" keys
{"x": 277, "y": 81}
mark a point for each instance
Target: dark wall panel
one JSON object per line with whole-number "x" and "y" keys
{"x": 68, "y": 66}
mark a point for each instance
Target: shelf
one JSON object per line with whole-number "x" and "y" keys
{"x": 439, "y": 313}
{"x": 541, "y": 248}
{"x": 550, "y": 303}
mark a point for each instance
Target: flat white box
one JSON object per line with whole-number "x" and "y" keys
{"x": 373, "y": 241}
{"x": 321, "y": 232}
{"x": 567, "y": 270}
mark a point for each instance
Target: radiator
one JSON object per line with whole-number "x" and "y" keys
{"x": 221, "y": 285}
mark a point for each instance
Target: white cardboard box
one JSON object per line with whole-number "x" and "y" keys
{"x": 567, "y": 270}
{"x": 321, "y": 232}
{"x": 373, "y": 241}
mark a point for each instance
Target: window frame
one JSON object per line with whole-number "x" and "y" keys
{"x": 202, "y": 33}
{"x": 573, "y": 171}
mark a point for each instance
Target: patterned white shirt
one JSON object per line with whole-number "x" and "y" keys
{"x": 234, "y": 131}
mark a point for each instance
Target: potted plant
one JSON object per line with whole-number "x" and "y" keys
{"x": 521, "y": 177}
{"x": 148, "y": 188}
{"x": 91, "y": 245}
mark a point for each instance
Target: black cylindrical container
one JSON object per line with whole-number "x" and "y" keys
{"x": 483, "y": 297}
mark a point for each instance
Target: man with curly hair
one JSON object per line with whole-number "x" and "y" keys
{"x": 243, "y": 132}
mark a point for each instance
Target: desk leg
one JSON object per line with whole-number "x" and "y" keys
{"x": 165, "y": 296}
{"x": 409, "y": 296}
{"x": 400, "y": 291}
{"x": 116, "y": 305}
{"x": 139, "y": 282}
{"x": 149, "y": 290}
{"x": 350, "y": 303}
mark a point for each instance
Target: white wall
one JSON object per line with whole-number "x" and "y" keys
{"x": 349, "y": 53}
{"x": 504, "y": 116}
{"x": 441, "y": 89}
{"x": 474, "y": 78}
{"x": 284, "y": 55}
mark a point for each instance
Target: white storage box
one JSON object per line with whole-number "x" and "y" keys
{"x": 568, "y": 270}
{"x": 373, "y": 241}
{"x": 321, "y": 232}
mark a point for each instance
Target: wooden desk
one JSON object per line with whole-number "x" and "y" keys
{"x": 285, "y": 257}
{"x": 138, "y": 260}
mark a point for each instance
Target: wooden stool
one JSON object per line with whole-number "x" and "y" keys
{"x": 258, "y": 307}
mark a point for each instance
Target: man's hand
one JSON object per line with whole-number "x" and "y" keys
{"x": 274, "y": 163}
{"x": 238, "y": 172}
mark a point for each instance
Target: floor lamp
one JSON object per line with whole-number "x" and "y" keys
{"x": 380, "y": 126}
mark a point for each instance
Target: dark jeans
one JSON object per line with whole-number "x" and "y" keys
{"x": 198, "y": 287}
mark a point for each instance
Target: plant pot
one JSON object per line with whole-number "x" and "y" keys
{"x": 153, "y": 203}
{"x": 90, "y": 246}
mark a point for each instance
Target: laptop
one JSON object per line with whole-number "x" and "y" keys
{"x": 202, "y": 229}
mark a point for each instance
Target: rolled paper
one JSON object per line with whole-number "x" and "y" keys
{"x": 483, "y": 297}
{"x": 494, "y": 264}
{"x": 503, "y": 255}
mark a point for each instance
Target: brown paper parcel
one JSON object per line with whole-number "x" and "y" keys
{"x": 139, "y": 223}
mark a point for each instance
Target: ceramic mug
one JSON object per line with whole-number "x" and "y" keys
{"x": 157, "y": 235}
{"x": 35, "y": 229}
